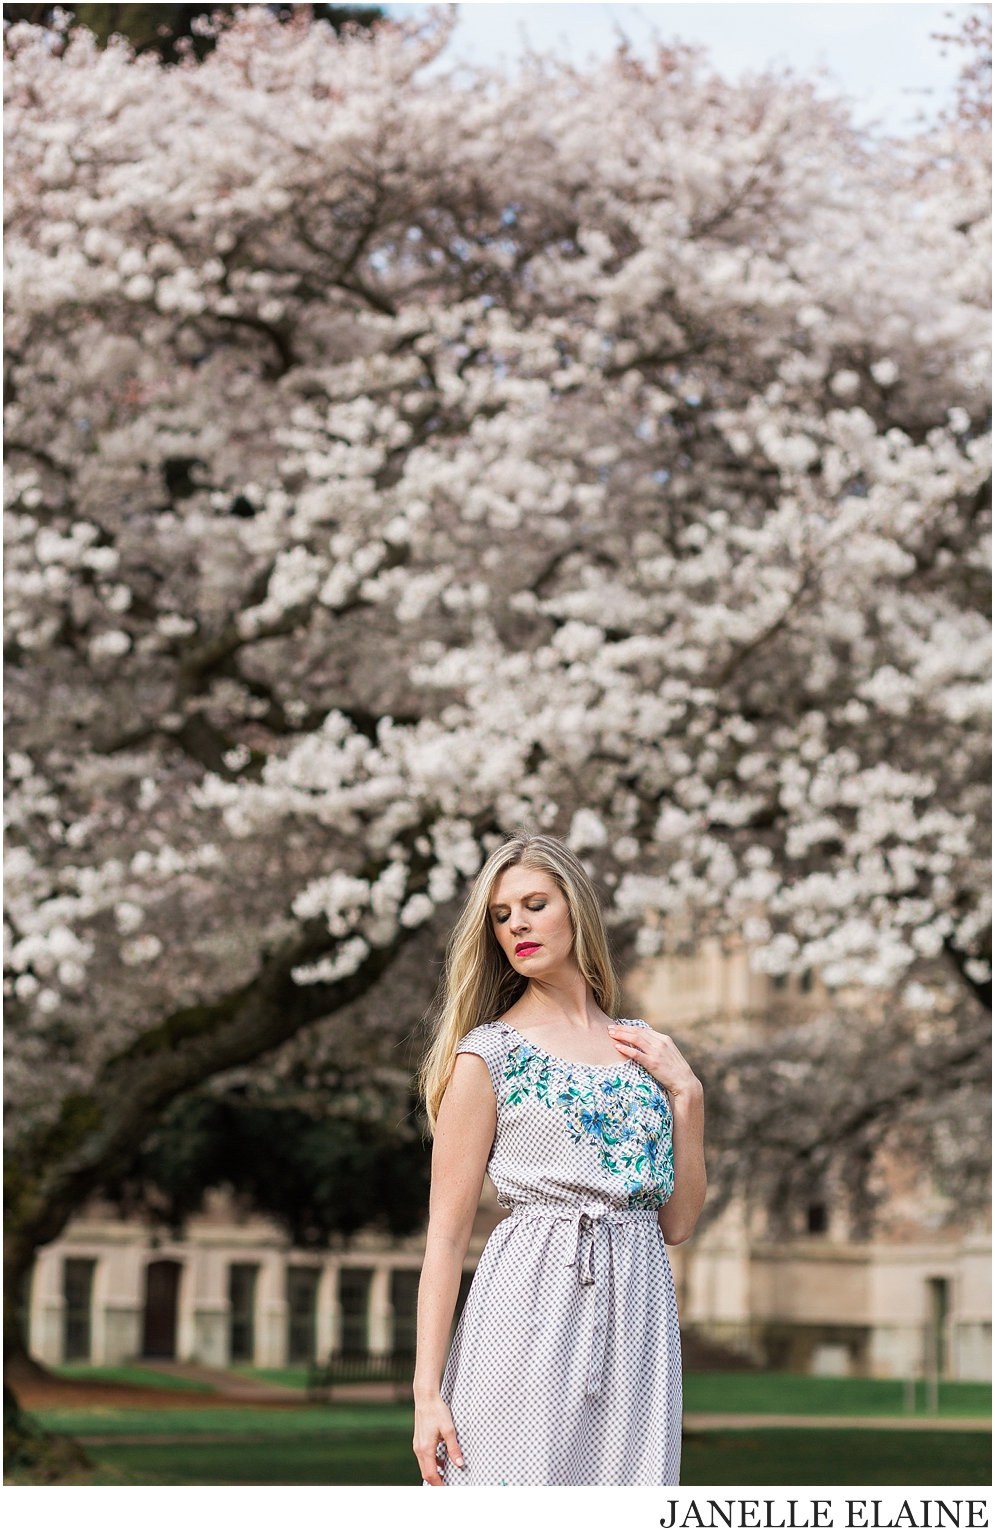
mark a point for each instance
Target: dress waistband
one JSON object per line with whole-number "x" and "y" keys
{"x": 585, "y": 1216}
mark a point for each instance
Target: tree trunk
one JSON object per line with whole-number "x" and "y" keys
{"x": 52, "y": 1173}
{"x": 34, "y": 1456}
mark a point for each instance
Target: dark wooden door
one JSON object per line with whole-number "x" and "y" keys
{"x": 162, "y": 1286}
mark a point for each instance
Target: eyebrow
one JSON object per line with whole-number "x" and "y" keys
{"x": 539, "y": 893}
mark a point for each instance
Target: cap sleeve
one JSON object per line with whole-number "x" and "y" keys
{"x": 490, "y": 1043}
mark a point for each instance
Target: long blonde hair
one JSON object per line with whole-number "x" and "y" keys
{"x": 479, "y": 984}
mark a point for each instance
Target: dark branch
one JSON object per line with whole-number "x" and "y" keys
{"x": 98, "y": 1134}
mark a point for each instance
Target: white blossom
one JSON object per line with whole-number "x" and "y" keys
{"x": 144, "y": 949}
{"x": 109, "y": 645}
{"x": 336, "y": 554}
{"x": 345, "y": 962}
{"x": 417, "y": 910}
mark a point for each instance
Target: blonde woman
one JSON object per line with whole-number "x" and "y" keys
{"x": 565, "y": 1367}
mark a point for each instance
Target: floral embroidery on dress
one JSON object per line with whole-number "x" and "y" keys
{"x": 629, "y": 1119}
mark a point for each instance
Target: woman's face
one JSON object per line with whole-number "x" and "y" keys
{"x": 531, "y": 920}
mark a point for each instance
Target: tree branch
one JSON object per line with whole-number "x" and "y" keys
{"x": 98, "y": 1133}
{"x": 981, "y": 989}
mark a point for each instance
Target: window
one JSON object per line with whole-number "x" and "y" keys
{"x": 404, "y": 1299}
{"x": 77, "y": 1288}
{"x": 242, "y": 1296}
{"x": 817, "y": 1218}
{"x": 354, "y": 1297}
{"x": 302, "y": 1303}
{"x": 938, "y": 1294}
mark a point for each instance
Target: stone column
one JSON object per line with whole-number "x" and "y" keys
{"x": 47, "y": 1307}
{"x": 122, "y": 1303}
{"x": 98, "y": 1308}
{"x": 186, "y": 1304}
{"x": 328, "y": 1326}
{"x": 212, "y": 1309}
{"x": 381, "y": 1315}
{"x": 271, "y": 1311}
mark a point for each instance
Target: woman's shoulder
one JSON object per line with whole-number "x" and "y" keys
{"x": 490, "y": 1041}
{"x": 488, "y": 1038}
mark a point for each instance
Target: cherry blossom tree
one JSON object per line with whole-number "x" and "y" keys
{"x": 396, "y": 461}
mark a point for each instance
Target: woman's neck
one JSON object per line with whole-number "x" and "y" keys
{"x": 566, "y": 1002}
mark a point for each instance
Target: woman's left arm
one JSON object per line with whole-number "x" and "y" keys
{"x": 664, "y": 1061}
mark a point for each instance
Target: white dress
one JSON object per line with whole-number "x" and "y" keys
{"x": 566, "y": 1364}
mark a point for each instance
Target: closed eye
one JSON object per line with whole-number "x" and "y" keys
{"x": 501, "y": 916}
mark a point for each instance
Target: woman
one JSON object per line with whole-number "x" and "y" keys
{"x": 566, "y": 1366}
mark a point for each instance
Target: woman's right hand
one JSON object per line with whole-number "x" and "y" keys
{"x": 434, "y": 1424}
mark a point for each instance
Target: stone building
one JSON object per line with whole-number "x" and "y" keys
{"x": 914, "y": 1301}
{"x": 231, "y": 1291}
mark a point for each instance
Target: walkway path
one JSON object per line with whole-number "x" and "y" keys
{"x": 243, "y": 1389}
{"x": 229, "y": 1385}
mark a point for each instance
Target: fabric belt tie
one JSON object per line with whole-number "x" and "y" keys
{"x": 592, "y": 1258}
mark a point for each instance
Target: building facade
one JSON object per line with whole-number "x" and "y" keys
{"x": 232, "y": 1291}
{"x": 882, "y": 1309}
{"x": 914, "y": 1302}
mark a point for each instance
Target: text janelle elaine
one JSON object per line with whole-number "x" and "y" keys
{"x": 796, "y": 1515}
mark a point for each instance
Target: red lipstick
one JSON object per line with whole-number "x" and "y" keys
{"x": 525, "y": 948}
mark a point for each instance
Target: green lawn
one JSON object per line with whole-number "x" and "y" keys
{"x": 235, "y": 1420}
{"x": 379, "y": 1456}
{"x": 370, "y": 1444}
{"x": 788, "y": 1393}
{"x": 837, "y": 1457}
{"x": 340, "y": 1457}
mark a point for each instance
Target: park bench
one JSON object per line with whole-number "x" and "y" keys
{"x": 359, "y": 1367}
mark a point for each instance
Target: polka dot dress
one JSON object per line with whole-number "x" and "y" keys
{"x": 566, "y": 1364}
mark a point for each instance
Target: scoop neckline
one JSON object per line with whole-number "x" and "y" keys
{"x": 570, "y": 1063}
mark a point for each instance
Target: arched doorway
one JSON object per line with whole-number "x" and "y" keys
{"x": 162, "y": 1286}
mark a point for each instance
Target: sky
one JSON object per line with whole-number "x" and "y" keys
{"x": 880, "y": 55}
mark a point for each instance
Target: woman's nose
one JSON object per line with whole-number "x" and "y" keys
{"x": 519, "y": 923}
